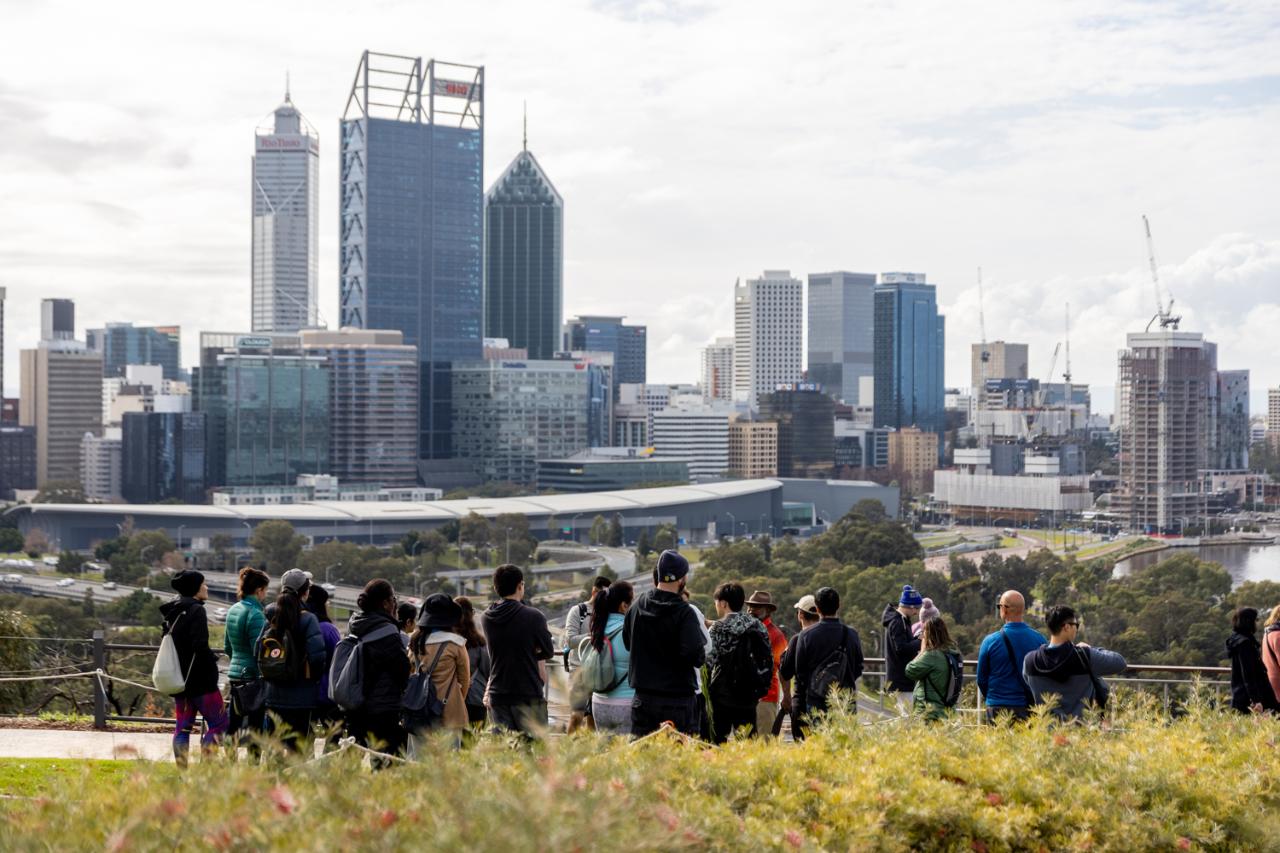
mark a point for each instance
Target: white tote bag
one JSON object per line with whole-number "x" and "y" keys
{"x": 167, "y": 675}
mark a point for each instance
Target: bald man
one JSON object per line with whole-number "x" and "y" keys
{"x": 1004, "y": 692}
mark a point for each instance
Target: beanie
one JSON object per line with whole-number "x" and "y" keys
{"x": 927, "y": 610}
{"x": 187, "y": 582}
{"x": 672, "y": 566}
{"x": 910, "y": 598}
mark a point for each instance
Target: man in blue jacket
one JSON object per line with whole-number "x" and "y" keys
{"x": 1000, "y": 661}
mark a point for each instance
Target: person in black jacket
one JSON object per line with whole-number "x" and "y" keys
{"x": 901, "y": 647}
{"x": 815, "y": 650}
{"x": 519, "y": 645}
{"x": 1250, "y": 689}
{"x": 667, "y": 644}
{"x": 185, "y": 620}
{"x": 376, "y": 723}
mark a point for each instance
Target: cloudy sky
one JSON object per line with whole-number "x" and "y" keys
{"x": 694, "y": 143}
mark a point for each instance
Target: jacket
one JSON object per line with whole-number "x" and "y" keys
{"x": 621, "y": 658}
{"x": 302, "y": 693}
{"x": 332, "y": 636}
{"x": 244, "y": 624}
{"x": 809, "y": 649}
{"x": 1061, "y": 674}
{"x": 478, "y": 660}
{"x": 1000, "y": 678}
{"x": 930, "y": 672}
{"x": 778, "y": 644}
{"x": 451, "y": 676}
{"x": 518, "y": 638}
{"x": 386, "y": 666}
{"x": 577, "y": 627}
{"x": 1271, "y": 656}
{"x": 666, "y": 642}
{"x": 185, "y": 619}
{"x": 900, "y": 647}
{"x": 726, "y": 635}
{"x": 1249, "y": 684}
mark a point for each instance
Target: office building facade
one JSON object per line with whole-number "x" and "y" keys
{"x": 163, "y": 457}
{"x": 629, "y": 344}
{"x": 697, "y": 433}
{"x": 123, "y": 344}
{"x": 373, "y": 404}
{"x": 1229, "y": 410}
{"x": 61, "y": 397}
{"x": 910, "y": 341}
{"x": 100, "y": 466}
{"x": 717, "y": 370}
{"x": 266, "y": 408}
{"x": 524, "y": 258}
{"x": 412, "y": 227}
{"x": 913, "y": 457}
{"x": 600, "y": 470}
{"x": 753, "y": 448}
{"x": 17, "y": 460}
{"x": 841, "y": 324}
{"x": 1004, "y": 361}
{"x": 57, "y": 320}
{"x": 768, "y": 333}
{"x": 805, "y": 416}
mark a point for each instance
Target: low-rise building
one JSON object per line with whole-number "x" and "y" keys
{"x": 604, "y": 469}
{"x": 913, "y": 455}
{"x": 753, "y": 448}
{"x": 100, "y": 465}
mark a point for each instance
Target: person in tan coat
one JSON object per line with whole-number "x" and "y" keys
{"x": 438, "y": 642}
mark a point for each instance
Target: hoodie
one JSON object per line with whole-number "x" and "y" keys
{"x": 518, "y": 638}
{"x": 900, "y": 648}
{"x": 727, "y": 635}
{"x": 1070, "y": 676}
{"x": 1249, "y": 683}
{"x": 386, "y": 666}
{"x": 191, "y": 641}
{"x": 667, "y": 643}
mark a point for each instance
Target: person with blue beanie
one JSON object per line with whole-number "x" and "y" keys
{"x": 901, "y": 646}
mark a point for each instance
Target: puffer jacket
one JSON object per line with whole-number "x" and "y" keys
{"x": 386, "y": 664}
{"x": 244, "y": 625}
{"x": 930, "y": 671}
{"x": 186, "y": 620}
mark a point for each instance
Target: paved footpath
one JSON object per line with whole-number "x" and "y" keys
{"x": 47, "y": 743}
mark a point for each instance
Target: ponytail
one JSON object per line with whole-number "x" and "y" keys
{"x": 605, "y": 604}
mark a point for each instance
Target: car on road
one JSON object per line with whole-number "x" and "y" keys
{"x": 109, "y": 585}
{"x": 219, "y": 611}
{"x": 50, "y": 561}
{"x": 66, "y": 582}
{"x": 13, "y": 578}
{"x": 329, "y": 587}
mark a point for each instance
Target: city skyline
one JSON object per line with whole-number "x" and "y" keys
{"x": 1162, "y": 112}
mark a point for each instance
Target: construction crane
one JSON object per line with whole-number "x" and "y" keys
{"x": 1164, "y": 313}
{"x": 1034, "y": 425}
{"x": 1066, "y": 373}
{"x": 984, "y": 356}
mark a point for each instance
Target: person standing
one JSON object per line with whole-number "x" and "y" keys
{"x": 1068, "y": 673}
{"x": 793, "y": 702}
{"x": 185, "y": 619}
{"x": 1000, "y": 659}
{"x": 577, "y": 627}
{"x": 1250, "y": 689}
{"x": 901, "y": 646}
{"x": 327, "y": 715}
{"x": 927, "y": 611}
{"x": 376, "y": 723}
{"x": 740, "y": 664}
{"x": 1271, "y": 649}
{"x": 700, "y": 703}
{"x": 406, "y": 617}
{"x": 931, "y": 670}
{"x": 761, "y": 606}
{"x": 519, "y": 645}
{"x": 477, "y": 661}
{"x": 827, "y": 654}
{"x": 666, "y": 643}
{"x": 291, "y": 690}
{"x": 438, "y": 650}
{"x": 611, "y": 709}
{"x": 243, "y": 626}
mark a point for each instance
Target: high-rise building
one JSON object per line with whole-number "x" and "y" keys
{"x": 805, "y": 416}
{"x": 913, "y": 457}
{"x": 524, "y": 258}
{"x": 1004, "y": 361}
{"x": 1163, "y": 417}
{"x": 142, "y": 388}
{"x": 841, "y": 333}
{"x": 631, "y": 425}
{"x": 123, "y": 344}
{"x": 373, "y": 404}
{"x": 509, "y": 414}
{"x": 696, "y": 432}
{"x": 768, "y": 333}
{"x": 1229, "y": 424}
{"x": 412, "y": 228}
{"x": 163, "y": 457}
{"x": 2, "y": 297}
{"x": 609, "y": 334}
{"x": 17, "y": 460}
{"x": 57, "y": 320}
{"x": 266, "y": 408}
{"x": 910, "y": 339}
{"x": 286, "y": 222}
{"x": 100, "y": 466}
{"x": 1272, "y": 434}
{"x": 600, "y": 393}
{"x": 717, "y": 370}
{"x": 753, "y": 448}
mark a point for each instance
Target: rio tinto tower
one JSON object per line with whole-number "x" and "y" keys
{"x": 286, "y": 165}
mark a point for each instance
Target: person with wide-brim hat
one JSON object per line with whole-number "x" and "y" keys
{"x": 761, "y": 606}
{"x": 437, "y": 647}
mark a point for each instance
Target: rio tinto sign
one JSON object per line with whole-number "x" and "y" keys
{"x": 455, "y": 88}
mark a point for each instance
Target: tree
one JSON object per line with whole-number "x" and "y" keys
{"x": 666, "y": 537}
{"x": 275, "y": 543}
{"x": 223, "y": 545}
{"x": 70, "y": 562}
{"x": 60, "y": 492}
{"x": 511, "y": 535}
{"x": 870, "y": 509}
{"x": 643, "y": 548}
{"x": 10, "y": 541}
{"x": 615, "y": 535}
{"x": 36, "y": 543}
{"x": 553, "y": 527}
{"x": 17, "y": 654}
{"x": 108, "y": 548}
{"x": 474, "y": 530}
{"x": 86, "y": 603}
{"x": 599, "y": 530}
{"x": 433, "y": 546}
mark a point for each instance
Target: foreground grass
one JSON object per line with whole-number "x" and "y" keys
{"x": 51, "y": 777}
{"x": 1207, "y": 781}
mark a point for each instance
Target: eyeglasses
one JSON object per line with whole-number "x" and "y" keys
{"x": 1073, "y": 624}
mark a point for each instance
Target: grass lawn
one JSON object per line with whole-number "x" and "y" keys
{"x": 34, "y": 777}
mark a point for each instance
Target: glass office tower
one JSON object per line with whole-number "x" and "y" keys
{"x": 411, "y": 242}
{"x": 122, "y": 344}
{"x": 608, "y": 334}
{"x": 910, "y": 337}
{"x": 841, "y": 327}
{"x": 163, "y": 457}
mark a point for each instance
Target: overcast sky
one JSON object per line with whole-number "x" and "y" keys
{"x": 693, "y": 144}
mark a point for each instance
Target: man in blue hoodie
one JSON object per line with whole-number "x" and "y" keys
{"x": 1066, "y": 673}
{"x": 1000, "y": 661}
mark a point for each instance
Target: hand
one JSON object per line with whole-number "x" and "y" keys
{"x": 1256, "y": 707}
{"x": 1082, "y": 645}
{"x": 784, "y": 707}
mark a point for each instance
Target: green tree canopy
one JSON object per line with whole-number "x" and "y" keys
{"x": 275, "y": 543}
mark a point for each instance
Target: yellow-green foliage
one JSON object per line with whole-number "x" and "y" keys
{"x": 1207, "y": 781}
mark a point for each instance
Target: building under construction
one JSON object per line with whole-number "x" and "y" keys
{"x": 1015, "y": 483}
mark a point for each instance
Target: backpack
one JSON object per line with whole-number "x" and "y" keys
{"x": 746, "y": 674}
{"x": 834, "y": 671}
{"x": 596, "y": 674}
{"x": 955, "y": 679}
{"x": 279, "y": 659}
{"x": 167, "y": 673}
{"x": 346, "y": 673}
{"x": 421, "y": 706}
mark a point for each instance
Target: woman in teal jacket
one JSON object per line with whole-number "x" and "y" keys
{"x": 930, "y": 670}
{"x": 244, "y": 624}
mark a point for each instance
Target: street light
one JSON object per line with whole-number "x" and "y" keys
{"x": 180, "y": 529}
{"x": 327, "y": 568}
{"x": 733, "y": 522}
{"x": 573, "y": 526}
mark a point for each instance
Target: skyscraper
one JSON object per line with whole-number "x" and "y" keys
{"x": 717, "y": 370}
{"x": 286, "y": 223}
{"x": 524, "y": 258}
{"x": 629, "y": 345}
{"x": 412, "y": 230}
{"x": 1229, "y": 409}
{"x": 163, "y": 457}
{"x": 768, "y": 333}
{"x": 841, "y": 328}
{"x": 805, "y": 416}
{"x": 122, "y": 344}
{"x": 910, "y": 338}
{"x": 57, "y": 320}
{"x": 1004, "y": 361}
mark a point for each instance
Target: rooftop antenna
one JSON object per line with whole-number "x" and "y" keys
{"x": 525, "y": 142}
{"x": 287, "y": 99}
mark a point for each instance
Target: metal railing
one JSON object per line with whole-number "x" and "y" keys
{"x": 100, "y": 648}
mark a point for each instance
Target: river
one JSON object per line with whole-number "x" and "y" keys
{"x": 1242, "y": 562}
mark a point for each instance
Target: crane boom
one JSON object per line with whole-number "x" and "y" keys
{"x": 1164, "y": 313}
{"x": 1066, "y": 373}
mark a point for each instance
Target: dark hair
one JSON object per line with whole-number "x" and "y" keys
{"x": 406, "y": 612}
{"x": 375, "y": 595}
{"x": 1059, "y": 615}
{"x": 934, "y": 634}
{"x": 251, "y": 580}
{"x": 606, "y": 602}
{"x": 732, "y": 594}
{"x": 318, "y": 603}
{"x": 467, "y": 624}
{"x": 507, "y": 579}
{"x": 287, "y": 615}
{"x": 828, "y": 601}
{"x": 601, "y": 582}
{"x": 1245, "y": 621}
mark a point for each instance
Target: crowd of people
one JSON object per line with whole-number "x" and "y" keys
{"x": 638, "y": 661}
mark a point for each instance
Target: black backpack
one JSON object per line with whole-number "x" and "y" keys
{"x": 955, "y": 679}
{"x": 836, "y": 670}
{"x": 279, "y": 657}
{"x": 745, "y": 674}
{"x": 420, "y": 707}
